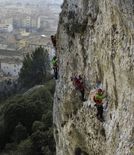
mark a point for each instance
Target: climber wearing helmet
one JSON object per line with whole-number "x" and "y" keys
{"x": 79, "y": 85}
{"x": 53, "y": 39}
{"x": 55, "y": 66}
{"x": 98, "y": 99}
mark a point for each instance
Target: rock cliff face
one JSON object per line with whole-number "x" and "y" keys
{"x": 95, "y": 39}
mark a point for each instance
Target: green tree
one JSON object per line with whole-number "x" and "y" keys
{"x": 20, "y": 133}
{"x": 2, "y": 135}
{"x": 42, "y": 142}
{"x": 24, "y": 148}
{"x": 24, "y": 111}
{"x": 26, "y": 126}
{"x": 35, "y": 69}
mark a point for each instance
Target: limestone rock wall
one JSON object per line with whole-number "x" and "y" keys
{"x": 95, "y": 39}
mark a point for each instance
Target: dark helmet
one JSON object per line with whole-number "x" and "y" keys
{"x": 80, "y": 77}
{"x": 100, "y": 91}
{"x": 54, "y": 57}
{"x": 71, "y": 78}
{"x": 52, "y": 36}
{"x": 98, "y": 81}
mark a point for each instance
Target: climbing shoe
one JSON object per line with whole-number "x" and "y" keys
{"x": 83, "y": 99}
{"x": 101, "y": 119}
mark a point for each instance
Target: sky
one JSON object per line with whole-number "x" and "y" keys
{"x": 49, "y": 1}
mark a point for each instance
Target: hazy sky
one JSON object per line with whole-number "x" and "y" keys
{"x": 49, "y": 1}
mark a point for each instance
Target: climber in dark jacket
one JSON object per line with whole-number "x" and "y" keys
{"x": 53, "y": 39}
{"x": 79, "y": 85}
{"x": 55, "y": 66}
{"x": 98, "y": 99}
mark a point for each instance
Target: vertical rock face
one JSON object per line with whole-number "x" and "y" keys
{"x": 95, "y": 39}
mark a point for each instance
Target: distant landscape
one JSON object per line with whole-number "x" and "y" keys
{"x": 24, "y": 26}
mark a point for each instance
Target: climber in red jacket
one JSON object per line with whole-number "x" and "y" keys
{"x": 79, "y": 85}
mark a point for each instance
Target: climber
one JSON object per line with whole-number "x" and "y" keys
{"x": 98, "y": 99}
{"x": 53, "y": 39}
{"x": 55, "y": 66}
{"x": 79, "y": 85}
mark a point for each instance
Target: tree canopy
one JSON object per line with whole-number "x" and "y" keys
{"x": 35, "y": 69}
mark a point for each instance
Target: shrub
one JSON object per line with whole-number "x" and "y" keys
{"x": 42, "y": 141}
{"x": 2, "y": 135}
{"x": 50, "y": 85}
{"x": 20, "y": 133}
{"x": 23, "y": 111}
{"x": 47, "y": 119}
{"x": 37, "y": 125}
{"x": 38, "y": 139}
{"x": 29, "y": 115}
{"x": 25, "y": 148}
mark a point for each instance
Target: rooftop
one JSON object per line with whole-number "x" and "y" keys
{"x": 5, "y": 52}
{"x": 11, "y": 61}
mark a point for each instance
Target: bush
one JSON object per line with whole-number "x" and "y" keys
{"x": 25, "y": 148}
{"x": 50, "y": 86}
{"x": 37, "y": 125}
{"x": 43, "y": 141}
{"x": 24, "y": 111}
{"x": 51, "y": 142}
{"x": 29, "y": 115}
{"x": 47, "y": 120}
{"x": 2, "y": 135}
{"x": 20, "y": 133}
{"x": 43, "y": 96}
{"x": 38, "y": 139}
